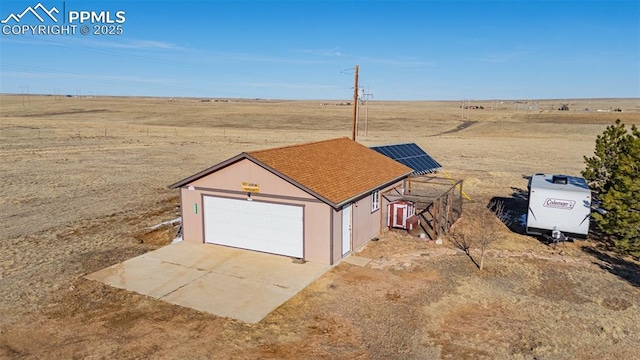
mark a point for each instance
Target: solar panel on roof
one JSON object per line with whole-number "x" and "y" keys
{"x": 410, "y": 155}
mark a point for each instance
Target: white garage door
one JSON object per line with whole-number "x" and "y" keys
{"x": 260, "y": 226}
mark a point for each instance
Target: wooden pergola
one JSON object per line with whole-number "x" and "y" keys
{"x": 438, "y": 201}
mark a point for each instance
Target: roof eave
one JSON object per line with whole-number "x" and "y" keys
{"x": 207, "y": 171}
{"x": 291, "y": 181}
{"x": 366, "y": 193}
{"x": 241, "y": 156}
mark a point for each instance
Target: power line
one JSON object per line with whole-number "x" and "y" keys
{"x": 355, "y": 105}
{"x": 366, "y": 96}
{"x": 394, "y": 117}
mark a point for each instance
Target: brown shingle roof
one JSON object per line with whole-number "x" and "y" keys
{"x": 337, "y": 169}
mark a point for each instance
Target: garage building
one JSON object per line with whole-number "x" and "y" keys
{"x": 316, "y": 201}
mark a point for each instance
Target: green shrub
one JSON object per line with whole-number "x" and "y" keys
{"x": 613, "y": 174}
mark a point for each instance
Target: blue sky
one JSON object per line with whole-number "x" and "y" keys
{"x": 406, "y": 50}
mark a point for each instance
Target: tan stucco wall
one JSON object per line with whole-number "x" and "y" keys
{"x": 227, "y": 182}
{"x": 366, "y": 224}
{"x": 191, "y": 222}
{"x": 232, "y": 177}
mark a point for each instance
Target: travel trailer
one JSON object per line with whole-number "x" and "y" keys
{"x": 559, "y": 206}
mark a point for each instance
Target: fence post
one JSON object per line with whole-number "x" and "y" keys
{"x": 460, "y": 201}
{"x": 436, "y": 218}
{"x": 450, "y": 208}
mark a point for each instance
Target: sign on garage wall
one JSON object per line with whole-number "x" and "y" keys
{"x": 250, "y": 187}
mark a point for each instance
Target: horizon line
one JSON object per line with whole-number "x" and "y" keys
{"x": 319, "y": 99}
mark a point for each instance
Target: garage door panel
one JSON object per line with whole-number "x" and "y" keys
{"x": 260, "y": 226}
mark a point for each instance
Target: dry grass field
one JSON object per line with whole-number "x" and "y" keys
{"x": 84, "y": 179}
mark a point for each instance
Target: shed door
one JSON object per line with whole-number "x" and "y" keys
{"x": 346, "y": 229}
{"x": 254, "y": 225}
{"x": 400, "y": 216}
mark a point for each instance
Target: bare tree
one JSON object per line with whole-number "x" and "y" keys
{"x": 464, "y": 239}
{"x": 489, "y": 227}
{"x": 481, "y": 228}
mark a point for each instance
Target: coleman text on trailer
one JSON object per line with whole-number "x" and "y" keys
{"x": 558, "y": 205}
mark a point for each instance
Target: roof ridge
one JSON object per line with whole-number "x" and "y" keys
{"x": 294, "y": 146}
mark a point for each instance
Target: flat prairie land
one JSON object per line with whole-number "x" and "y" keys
{"x": 84, "y": 179}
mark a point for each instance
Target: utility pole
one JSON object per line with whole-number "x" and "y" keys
{"x": 355, "y": 106}
{"x": 366, "y": 106}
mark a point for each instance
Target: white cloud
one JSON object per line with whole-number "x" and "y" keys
{"x": 323, "y": 52}
{"x": 288, "y": 85}
{"x": 502, "y": 57}
{"x": 89, "y": 43}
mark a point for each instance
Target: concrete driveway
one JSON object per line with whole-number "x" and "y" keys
{"x": 240, "y": 284}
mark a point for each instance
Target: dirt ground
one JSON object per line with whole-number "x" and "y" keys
{"x": 85, "y": 178}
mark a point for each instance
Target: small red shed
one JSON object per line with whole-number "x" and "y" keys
{"x": 402, "y": 215}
